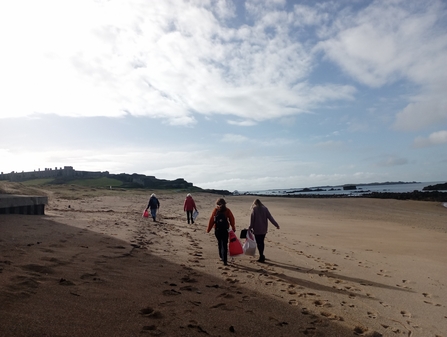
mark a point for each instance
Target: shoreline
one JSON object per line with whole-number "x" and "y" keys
{"x": 435, "y": 196}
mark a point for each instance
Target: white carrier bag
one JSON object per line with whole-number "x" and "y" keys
{"x": 249, "y": 246}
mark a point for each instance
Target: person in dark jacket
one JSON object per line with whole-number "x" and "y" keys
{"x": 259, "y": 225}
{"x": 153, "y": 205}
{"x": 189, "y": 206}
{"x": 221, "y": 232}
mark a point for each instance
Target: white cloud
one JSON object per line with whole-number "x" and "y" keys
{"x": 392, "y": 160}
{"x": 424, "y": 110}
{"x": 330, "y": 145}
{"x": 242, "y": 123}
{"x": 436, "y": 138}
{"x": 391, "y": 41}
{"x": 306, "y": 15}
{"x": 132, "y": 58}
{"x": 386, "y": 40}
{"x": 232, "y": 138}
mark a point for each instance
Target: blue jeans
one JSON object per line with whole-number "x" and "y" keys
{"x": 153, "y": 213}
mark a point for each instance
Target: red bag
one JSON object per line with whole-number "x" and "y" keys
{"x": 235, "y": 246}
{"x": 146, "y": 214}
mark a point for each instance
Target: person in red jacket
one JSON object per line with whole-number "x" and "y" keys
{"x": 221, "y": 219}
{"x": 189, "y": 206}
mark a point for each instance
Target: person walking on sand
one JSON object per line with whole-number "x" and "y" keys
{"x": 153, "y": 205}
{"x": 189, "y": 206}
{"x": 259, "y": 224}
{"x": 221, "y": 219}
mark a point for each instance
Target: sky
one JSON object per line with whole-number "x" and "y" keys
{"x": 236, "y": 95}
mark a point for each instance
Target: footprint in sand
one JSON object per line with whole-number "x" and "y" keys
{"x": 152, "y": 328}
{"x": 436, "y": 305}
{"x": 331, "y": 316}
{"x": 171, "y": 292}
{"x": 383, "y": 273}
{"x": 372, "y": 314}
{"x": 405, "y": 313}
{"x": 322, "y": 303}
{"x": 149, "y": 312}
{"x": 226, "y": 295}
{"x": 231, "y": 280}
{"x": 360, "y": 330}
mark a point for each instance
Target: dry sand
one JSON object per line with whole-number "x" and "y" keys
{"x": 92, "y": 266}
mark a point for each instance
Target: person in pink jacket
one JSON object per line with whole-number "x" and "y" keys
{"x": 189, "y": 206}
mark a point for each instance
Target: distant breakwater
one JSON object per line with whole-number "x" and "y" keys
{"x": 415, "y": 195}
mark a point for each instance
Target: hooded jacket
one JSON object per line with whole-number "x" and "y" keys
{"x": 189, "y": 204}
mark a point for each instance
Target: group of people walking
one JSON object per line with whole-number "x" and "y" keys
{"x": 222, "y": 219}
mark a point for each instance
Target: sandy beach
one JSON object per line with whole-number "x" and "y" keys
{"x": 93, "y": 266}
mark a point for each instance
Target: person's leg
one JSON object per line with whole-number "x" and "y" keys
{"x": 222, "y": 242}
{"x": 219, "y": 244}
{"x": 153, "y": 213}
{"x": 189, "y": 216}
{"x": 225, "y": 246}
{"x": 260, "y": 243}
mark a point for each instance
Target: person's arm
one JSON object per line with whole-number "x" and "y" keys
{"x": 211, "y": 221}
{"x": 184, "y": 206}
{"x": 230, "y": 216}
{"x": 273, "y": 221}
{"x": 194, "y": 205}
{"x": 158, "y": 204}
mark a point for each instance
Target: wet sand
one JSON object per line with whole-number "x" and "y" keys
{"x": 93, "y": 266}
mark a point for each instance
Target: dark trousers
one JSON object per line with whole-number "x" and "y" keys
{"x": 222, "y": 243}
{"x": 260, "y": 243}
{"x": 189, "y": 216}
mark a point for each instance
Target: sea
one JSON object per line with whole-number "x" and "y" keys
{"x": 358, "y": 191}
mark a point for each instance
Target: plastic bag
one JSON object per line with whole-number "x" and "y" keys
{"x": 249, "y": 246}
{"x": 235, "y": 246}
{"x": 195, "y": 214}
{"x": 243, "y": 234}
{"x": 145, "y": 214}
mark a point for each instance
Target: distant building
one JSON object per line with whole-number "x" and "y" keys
{"x": 66, "y": 172}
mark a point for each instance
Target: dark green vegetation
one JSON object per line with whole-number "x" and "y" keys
{"x": 121, "y": 181}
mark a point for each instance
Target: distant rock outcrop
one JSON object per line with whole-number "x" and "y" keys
{"x": 415, "y": 195}
{"x": 437, "y": 187}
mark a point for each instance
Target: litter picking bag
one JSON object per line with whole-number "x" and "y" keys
{"x": 249, "y": 246}
{"x": 235, "y": 246}
{"x": 195, "y": 214}
{"x": 145, "y": 214}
